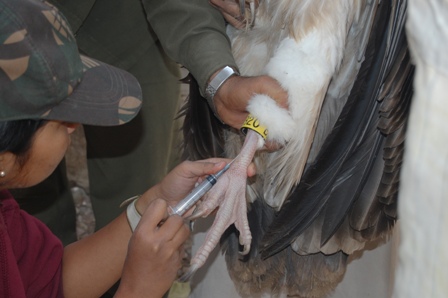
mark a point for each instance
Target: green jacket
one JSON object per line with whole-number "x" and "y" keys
{"x": 191, "y": 32}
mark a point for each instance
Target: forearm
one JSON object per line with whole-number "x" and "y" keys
{"x": 192, "y": 33}
{"x": 92, "y": 265}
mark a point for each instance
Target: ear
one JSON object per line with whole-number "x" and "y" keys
{"x": 7, "y": 161}
{"x": 2, "y": 171}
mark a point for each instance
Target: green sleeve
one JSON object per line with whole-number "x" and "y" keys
{"x": 192, "y": 33}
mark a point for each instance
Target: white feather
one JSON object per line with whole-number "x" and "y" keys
{"x": 268, "y": 113}
{"x": 303, "y": 57}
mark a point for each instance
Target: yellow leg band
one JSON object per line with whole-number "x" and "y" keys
{"x": 252, "y": 123}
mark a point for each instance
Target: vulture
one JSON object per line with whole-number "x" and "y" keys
{"x": 423, "y": 259}
{"x": 332, "y": 187}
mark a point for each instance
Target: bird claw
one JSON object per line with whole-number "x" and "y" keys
{"x": 245, "y": 251}
{"x": 189, "y": 273}
{"x": 197, "y": 213}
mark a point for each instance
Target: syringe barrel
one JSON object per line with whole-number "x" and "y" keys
{"x": 186, "y": 203}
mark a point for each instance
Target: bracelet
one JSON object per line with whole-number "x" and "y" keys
{"x": 131, "y": 212}
{"x": 212, "y": 87}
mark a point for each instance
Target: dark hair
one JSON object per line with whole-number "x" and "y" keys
{"x": 16, "y": 136}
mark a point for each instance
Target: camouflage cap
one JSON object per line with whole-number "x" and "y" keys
{"x": 43, "y": 76}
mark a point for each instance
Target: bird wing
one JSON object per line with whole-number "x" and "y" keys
{"x": 348, "y": 193}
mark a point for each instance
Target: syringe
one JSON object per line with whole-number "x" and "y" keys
{"x": 186, "y": 203}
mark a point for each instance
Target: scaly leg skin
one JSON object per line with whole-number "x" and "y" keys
{"x": 229, "y": 194}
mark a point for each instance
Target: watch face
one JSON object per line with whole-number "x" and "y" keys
{"x": 221, "y": 77}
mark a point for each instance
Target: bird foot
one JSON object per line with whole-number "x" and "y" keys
{"x": 229, "y": 196}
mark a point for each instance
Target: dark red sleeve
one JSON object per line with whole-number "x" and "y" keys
{"x": 30, "y": 255}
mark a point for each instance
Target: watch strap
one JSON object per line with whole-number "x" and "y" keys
{"x": 214, "y": 85}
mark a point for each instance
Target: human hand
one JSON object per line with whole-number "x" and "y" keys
{"x": 232, "y": 97}
{"x": 155, "y": 253}
{"x": 230, "y": 9}
{"x": 182, "y": 179}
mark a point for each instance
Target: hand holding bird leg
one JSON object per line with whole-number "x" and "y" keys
{"x": 233, "y": 96}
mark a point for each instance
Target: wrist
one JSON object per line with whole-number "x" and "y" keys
{"x": 132, "y": 214}
{"x": 215, "y": 83}
{"x": 136, "y": 206}
{"x": 149, "y": 196}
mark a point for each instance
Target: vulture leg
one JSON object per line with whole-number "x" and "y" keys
{"x": 229, "y": 194}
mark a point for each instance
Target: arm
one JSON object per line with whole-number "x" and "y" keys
{"x": 193, "y": 33}
{"x": 149, "y": 258}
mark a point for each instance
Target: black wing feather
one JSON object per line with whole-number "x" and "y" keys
{"x": 203, "y": 133}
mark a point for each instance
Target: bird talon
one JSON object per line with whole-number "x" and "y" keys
{"x": 191, "y": 224}
{"x": 195, "y": 215}
{"x": 245, "y": 251}
{"x": 189, "y": 274}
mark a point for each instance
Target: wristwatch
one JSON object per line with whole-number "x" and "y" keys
{"x": 212, "y": 87}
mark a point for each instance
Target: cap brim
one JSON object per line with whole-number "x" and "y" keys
{"x": 106, "y": 96}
